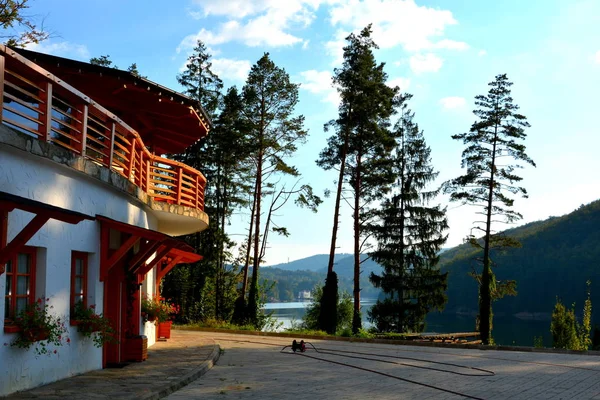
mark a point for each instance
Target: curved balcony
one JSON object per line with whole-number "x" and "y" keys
{"x": 41, "y": 105}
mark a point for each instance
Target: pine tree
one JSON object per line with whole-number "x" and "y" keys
{"x": 103, "y": 61}
{"x": 200, "y": 82}
{"x": 490, "y": 180}
{"x": 361, "y": 143}
{"x": 269, "y": 102}
{"x": 410, "y": 235}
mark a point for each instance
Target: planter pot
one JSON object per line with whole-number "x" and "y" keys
{"x": 87, "y": 327}
{"x": 36, "y": 335}
{"x": 136, "y": 349}
{"x": 151, "y": 318}
{"x": 164, "y": 329}
{"x": 11, "y": 329}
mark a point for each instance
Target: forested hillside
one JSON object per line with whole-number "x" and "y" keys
{"x": 557, "y": 257}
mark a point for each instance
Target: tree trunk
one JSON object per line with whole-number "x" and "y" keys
{"x": 336, "y": 211}
{"x": 356, "y": 322}
{"x": 249, "y": 247}
{"x": 485, "y": 299}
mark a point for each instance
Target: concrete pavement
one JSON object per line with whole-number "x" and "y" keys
{"x": 253, "y": 367}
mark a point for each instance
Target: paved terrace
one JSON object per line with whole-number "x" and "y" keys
{"x": 253, "y": 366}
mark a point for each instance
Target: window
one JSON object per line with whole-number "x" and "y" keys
{"x": 79, "y": 262}
{"x": 20, "y": 282}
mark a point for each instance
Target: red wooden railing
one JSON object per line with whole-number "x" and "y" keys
{"x": 41, "y": 105}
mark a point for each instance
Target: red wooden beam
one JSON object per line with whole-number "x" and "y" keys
{"x": 161, "y": 253}
{"x": 3, "y": 235}
{"x": 104, "y": 247}
{"x": 110, "y": 262}
{"x": 12, "y": 248}
{"x": 162, "y": 271}
{"x": 146, "y": 250}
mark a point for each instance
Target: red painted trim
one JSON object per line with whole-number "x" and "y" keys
{"x": 144, "y": 268}
{"x": 162, "y": 271}
{"x": 131, "y": 229}
{"x": 15, "y": 246}
{"x": 32, "y": 252}
{"x": 78, "y": 255}
{"x": 3, "y": 235}
{"x": 146, "y": 251}
{"x": 120, "y": 253}
{"x": 104, "y": 248}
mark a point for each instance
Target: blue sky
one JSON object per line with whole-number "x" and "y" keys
{"x": 443, "y": 52}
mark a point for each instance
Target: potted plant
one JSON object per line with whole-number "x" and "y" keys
{"x": 39, "y": 328}
{"x": 92, "y": 325}
{"x": 167, "y": 312}
{"x": 150, "y": 308}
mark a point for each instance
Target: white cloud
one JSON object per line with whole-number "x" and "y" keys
{"x": 402, "y": 83}
{"x": 335, "y": 47}
{"x": 254, "y": 23}
{"x": 61, "y": 49}
{"x": 451, "y": 45}
{"x": 453, "y": 102}
{"x": 482, "y": 53}
{"x": 429, "y": 62}
{"x": 320, "y": 83}
{"x": 226, "y": 68}
{"x": 397, "y": 22}
{"x": 597, "y": 57}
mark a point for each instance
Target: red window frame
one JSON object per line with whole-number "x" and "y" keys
{"x": 78, "y": 255}
{"x": 11, "y": 298}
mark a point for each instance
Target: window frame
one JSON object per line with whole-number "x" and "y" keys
{"x": 79, "y": 255}
{"x": 32, "y": 252}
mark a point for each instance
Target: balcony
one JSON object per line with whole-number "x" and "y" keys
{"x": 48, "y": 109}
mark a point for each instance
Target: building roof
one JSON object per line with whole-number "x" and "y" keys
{"x": 167, "y": 121}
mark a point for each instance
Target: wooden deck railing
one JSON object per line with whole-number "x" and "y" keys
{"x": 41, "y": 105}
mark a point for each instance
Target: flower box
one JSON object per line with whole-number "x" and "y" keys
{"x": 36, "y": 335}
{"x": 11, "y": 329}
{"x": 164, "y": 329}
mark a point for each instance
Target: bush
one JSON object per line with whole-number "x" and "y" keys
{"x": 567, "y": 333}
{"x": 344, "y": 311}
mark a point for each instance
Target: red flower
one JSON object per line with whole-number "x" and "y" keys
{"x": 54, "y": 351}
{"x": 68, "y": 340}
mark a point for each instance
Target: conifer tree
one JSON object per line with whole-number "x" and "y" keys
{"x": 360, "y": 144}
{"x": 410, "y": 234}
{"x": 490, "y": 179}
{"x": 269, "y": 103}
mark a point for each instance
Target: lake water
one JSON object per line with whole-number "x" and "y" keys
{"x": 507, "y": 330}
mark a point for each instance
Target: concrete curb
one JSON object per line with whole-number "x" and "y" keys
{"x": 398, "y": 342}
{"x": 187, "y": 378}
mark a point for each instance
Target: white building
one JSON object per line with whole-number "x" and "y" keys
{"x": 88, "y": 207}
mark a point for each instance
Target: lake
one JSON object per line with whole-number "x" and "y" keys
{"x": 507, "y": 330}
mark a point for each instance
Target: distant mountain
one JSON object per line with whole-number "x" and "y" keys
{"x": 557, "y": 257}
{"x": 318, "y": 262}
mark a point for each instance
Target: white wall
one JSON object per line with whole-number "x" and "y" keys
{"x": 42, "y": 180}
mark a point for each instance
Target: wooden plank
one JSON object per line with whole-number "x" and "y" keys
{"x": 47, "y": 126}
{"x": 84, "y": 130}
{"x": 111, "y": 145}
{"x": 1, "y": 107}
{"x": 68, "y": 125}
{"x": 25, "y": 91}
{"x": 12, "y": 248}
{"x": 66, "y": 114}
{"x": 23, "y": 79}
{"x": 26, "y": 128}
{"x": 23, "y": 115}
{"x": 23, "y": 103}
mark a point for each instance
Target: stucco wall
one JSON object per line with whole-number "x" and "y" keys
{"x": 42, "y": 180}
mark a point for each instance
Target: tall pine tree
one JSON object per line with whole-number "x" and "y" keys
{"x": 490, "y": 180}
{"x": 410, "y": 235}
{"x": 360, "y": 144}
{"x": 269, "y": 104}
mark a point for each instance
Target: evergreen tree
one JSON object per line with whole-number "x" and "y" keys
{"x": 410, "y": 235}
{"x": 200, "y": 82}
{"x": 361, "y": 143}
{"x": 18, "y": 28}
{"x": 490, "y": 179}
{"x": 269, "y": 102}
{"x": 103, "y": 61}
{"x": 133, "y": 69}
